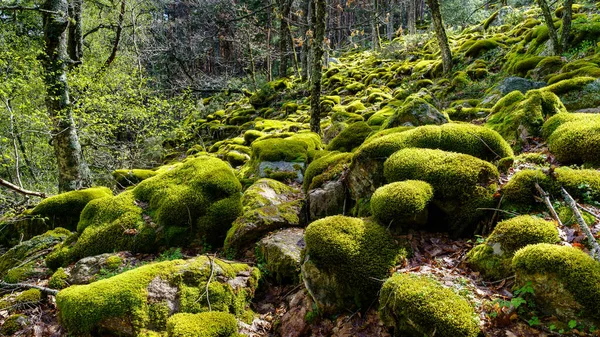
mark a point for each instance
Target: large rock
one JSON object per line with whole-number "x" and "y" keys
{"x": 269, "y": 205}
{"x": 415, "y": 111}
{"x": 86, "y": 269}
{"x": 280, "y": 254}
{"x": 144, "y": 298}
{"x": 507, "y": 86}
{"x": 327, "y": 200}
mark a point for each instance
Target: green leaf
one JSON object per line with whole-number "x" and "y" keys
{"x": 572, "y": 324}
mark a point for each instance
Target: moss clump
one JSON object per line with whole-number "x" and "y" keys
{"x": 113, "y": 262}
{"x": 520, "y": 190}
{"x": 251, "y": 135}
{"x": 127, "y": 178}
{"x": 414, "y": 112}
{"x": 58, "y": 279}
{"x": 578, "y": 273}
{"x": 419, "y": 306}
{"x": 480, "y": 47}
{"x": 569, "y": 85}
{"x": 124, "y": 298}
{"x": 355, "y": 106}
{"x": 13, "y": 324}
{"x": 354, "y": 252}
{"x": 559, "y": 119}
{"x": 461, "y": 183}
{"x": 576, "y": 142}
{"x": 293, "y": 148}
{"x": 206, "y": 324}
{"x": 517, "y": 116}
{"x": 401, "y": 203}
{"x": 326, "y": 168}
{"x": 63, "y": 210}
{"x": 493, "y": 258}
{"x": 350, "y": 138}
{"x": 522, "y": 67}
{"x": 29, "y": 296}
{"x": 355, "y": 87}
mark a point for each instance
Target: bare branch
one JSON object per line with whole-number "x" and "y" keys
{"x": 21, "y": 8}
{"x": 546, "y": 198}
{"x": 582, "y": 224}
{"x": 44, "y": 290}
{"x": 21, "y": 190}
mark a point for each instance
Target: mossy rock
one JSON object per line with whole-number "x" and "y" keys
{"x": 493, "y": 258}
{"x": 559, "y": 119}
{"x": 13, "y": 324}
{"x": 343, "y": 260}
{"x": 520, "y": 191}
{"x": 480, "y": 47}
{"x": 126, "y": 178}
{"x": 205, "y": 324}
{"x": 402, "y": 205}
{"x": 279, "y": 253}
{"x": 329, "y": 167}
{"x": 350, "y": 138}
{"x": 576, "y": 142}
{"x": 59, "y": 279}
{"x": 126, "y": 303}
{"x": 564, "y": 279}
{"x": 518, "y": 116}
{"x": 415, "y": 112}
{"x": 462, "y": 184}
{"x": 293, "y": 148}
{"x": 419, "y": 306}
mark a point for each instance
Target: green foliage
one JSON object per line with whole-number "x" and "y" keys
{"x": 417, "y": 305}
{"x": 400, "y": 203}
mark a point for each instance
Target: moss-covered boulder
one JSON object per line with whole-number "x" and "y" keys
{"x": 419, "y": 306}
{"x": 147, "y": 296}
{"x": 366, "y": 171}
{"x": 205, "y": 324}
{"x": 343, "y": 260}
{"x": 576, "y": 142}
{"x": 350, "y": 138}
{"x": 402, "y": 205}
{"x": 517, "y": 117}
{"x": 493, "y": 258}
{"x": 461, "y": 183}
{"x": 279, "y": 254}
{"x": 559, "y": 119}
{"x": 565, "y": 281}
{"x": 20, "y": 261}
{"x": 126, "y": 178}
{"x": 415, "y": 111}
{"x": 281, "y": 208}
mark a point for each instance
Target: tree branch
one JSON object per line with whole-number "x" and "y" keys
{"x": 584, "y": 227}
{"x": 546, "y": 198}
{"x": 44, "y": 290}
{"x": 20, "y": 190}
{"x": 21, "y": 8}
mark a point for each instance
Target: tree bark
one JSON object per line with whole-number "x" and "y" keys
{"x": 305, "y": 46}
{"x": 440, "y": 33}
{"x": 318, "y": 24}
{"x": 566, "y": 26}
{"x": 412, "y": 17}
{"x": 73, "y": 172}
{"x": 375, "y": 40}
{"x": 113, "y": 53}
{"x": 75, "y": 42}
{"x": 550, "y": 24}
{"x": 284, "y": 36}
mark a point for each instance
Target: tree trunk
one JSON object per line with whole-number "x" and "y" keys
{"x": 566, "y": 26}
{"x": 73, "y": 172}
{"x": 550, "y": 24}
{"x": 75, "y": 42}
{"x": 305, "y": 50}
{"x": 318, "y": 25}
{"x": 284, "y": 43}
{"x": 440, "y": 33}
{"x": 375, "y": 40}
{"x": 412, "y": 17}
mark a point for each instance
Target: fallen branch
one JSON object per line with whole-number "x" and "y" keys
{"x": 21, "y": 190}
{"x": 584, "y": 227}
{"x": 546, "y": 198}
{"x": 44, "y": 290}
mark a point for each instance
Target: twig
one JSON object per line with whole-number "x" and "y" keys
{"x": 584, "y": 227}
{"x": 546, "y": 198}
{"x": 44, "y": 290}
{"x": 498, "y": 210}
{"x": 589, "y": 211}
{"x": 21, "y": 190}
{"x": 212, "y": 270}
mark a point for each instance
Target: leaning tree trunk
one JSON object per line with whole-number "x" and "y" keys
{"x": 284, "y": 36}
{"x": 550, "y": 24}
{"x": 73, "y": 172}
{"x": 412, "y": 17}
{"x": 566, "y": 26}
{"x": 318, "y": 24}
{"x": 440, "y": 32}
{"x": 75, "y": 41}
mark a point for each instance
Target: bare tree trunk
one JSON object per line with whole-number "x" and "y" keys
{"x": 550, "y": 24}
{"x": 318, "y": 25}
{"x": 305, "y": 50}
{"x": 252, "y": 65}
{"x": 412, "y": 17}
{"x": 440, "y": 33}
{"x": 566, "y": 26}
{"x": 73, "y": 172}
{"x": 113, "y": 53}
{"x": 75, "y": 43}
{"x": 284, "y": 35}
{"x": 375, "y": 40}
{"x": 269, "y": 64}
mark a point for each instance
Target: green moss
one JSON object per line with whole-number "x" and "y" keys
{"x": 520, "y": 190}
{"x": 516, "y": 112}
{"x": 582, "y": 184}
{"x": 569, "y": 85}
{"x": 113, "y": 262}
{"x": 559, "y": 119}
{"x": 20, "y": 273}
{"x": 493, "y": 258}
{"x": 124, "y": 297}
{"x": 466, "y": 114}
{"x": 460, "y": 79}
{"x": 63, "y": 210}
{"x": 401, "y": 203}
{"x": 251, "y": 135}
{"x": 419, "y": 306}
{"x": 355, "y": 87}
{"x": 523, "y": 66}
{"x": 469, "y": 139}
{"x": 577, "y": 271}
{"x": 461, "y": 183}
{"x": 576, "y": 142}
{"x": 207, "y": 324}
{"x": 58, "y": 279}
{"x": 11, "y": 324}
{"x": 350, "y": 138}
{"x": 490, "y": 20}
{"x": 480, "y": 47}
{"x": 127, "y": 178}
{"x": 591, "y": 71}
{"x": 355, "y": 106}
{"x": 356, "y": 253}
{"x": 29, "y": 296}
{"x": 326, "y": 168}
{"x": 414, "y": 111}
{"x": 293, "y": 148}
{"x": 566, "y": 216}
